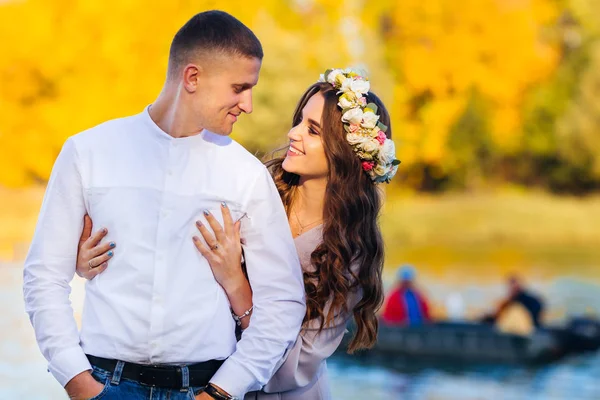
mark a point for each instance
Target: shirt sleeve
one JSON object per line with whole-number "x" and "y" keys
{"x": 50, "y": 266}
{"x": 278, "y": 293}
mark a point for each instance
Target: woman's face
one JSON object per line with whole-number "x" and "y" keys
{"x": 306, "y": 155}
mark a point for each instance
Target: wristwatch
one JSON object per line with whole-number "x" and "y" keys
{"x": 215, "y": 394}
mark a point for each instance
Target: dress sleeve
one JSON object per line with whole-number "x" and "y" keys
{"x": 303, "y": 360}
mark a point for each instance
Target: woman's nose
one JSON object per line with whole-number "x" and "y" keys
{"x": 294, "y": 134}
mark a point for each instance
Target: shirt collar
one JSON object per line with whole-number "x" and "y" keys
{"x": 149, "y": 122}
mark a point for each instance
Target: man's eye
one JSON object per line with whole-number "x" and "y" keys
{"x": 238, "y": 90}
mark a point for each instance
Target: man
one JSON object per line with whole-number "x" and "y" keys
{"x": 406, "y": 305}
{"x": 520, "y": 312}
{"x": 156, "y": 322}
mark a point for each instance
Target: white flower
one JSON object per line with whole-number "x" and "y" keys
{"x": 370, "y": 146}
{"x": 370, "y": 120}
{"x": 322, "y": 78}
{"x": 360, "y": 86}
{"x": 354, "y": 138}
{"x": 380, "y": 170}
{"x": 347, "y": 101}
{"x": 346, "y": 86}
{"x": 340, "y": 79}
{"x": 333, "y": 75}
{"x": 387, "y": 154}
{"x": 356, "y": 72}
{"x": 353, "y": 116}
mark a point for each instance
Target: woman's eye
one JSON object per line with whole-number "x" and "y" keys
{"x": 312, "y": 131}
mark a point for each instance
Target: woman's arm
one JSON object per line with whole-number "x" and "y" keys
{"x": 240, "y": 300}
{"x": 223, "y": 251}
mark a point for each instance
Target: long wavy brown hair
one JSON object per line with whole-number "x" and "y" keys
{"x": 350, "y": 258}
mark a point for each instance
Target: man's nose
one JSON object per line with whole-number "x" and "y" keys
{"x": 246, "y": 104}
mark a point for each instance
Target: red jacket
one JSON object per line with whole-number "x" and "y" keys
{"x": 396, "y": 310}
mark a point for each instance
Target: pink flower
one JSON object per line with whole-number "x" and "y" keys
{"x": 362, "y": 101}
{"x": 381, "y": 137}
{"x": 368, "y": 165}
{"x": 354, "y": 127}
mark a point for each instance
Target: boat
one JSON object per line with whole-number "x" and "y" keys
{"x": 465, "y": 343}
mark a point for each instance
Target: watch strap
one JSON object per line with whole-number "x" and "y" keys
{"x": 215, "y": 394}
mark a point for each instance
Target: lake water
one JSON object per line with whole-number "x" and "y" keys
{"x": 23, "y": 370}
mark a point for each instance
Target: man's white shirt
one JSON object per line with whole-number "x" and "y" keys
{"x": 158, "y": 302}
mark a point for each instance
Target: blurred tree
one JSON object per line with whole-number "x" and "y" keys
{"x": 578, "y": 130}
{"x": 491, "y": 91}
{"x": 562, "y": 139}
{"x": 447, "y": 57}
{"x": 70, "y": 64}
{"x": 300, "y": 43}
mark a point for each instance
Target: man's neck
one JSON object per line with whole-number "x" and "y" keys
{"x": 172, "y": 115}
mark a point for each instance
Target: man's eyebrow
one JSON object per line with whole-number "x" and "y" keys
{"x": 244, "y": 86}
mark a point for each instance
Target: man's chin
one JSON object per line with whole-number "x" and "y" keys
{"x": 222, "y": 131}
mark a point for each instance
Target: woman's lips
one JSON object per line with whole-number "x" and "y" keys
{"x": 292, "y": 151}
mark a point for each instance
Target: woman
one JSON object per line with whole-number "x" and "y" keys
{"x": 338, "y": 152}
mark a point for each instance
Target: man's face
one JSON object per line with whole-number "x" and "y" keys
{"x": 225, "y": 91}
{"x": 514, "y": 287}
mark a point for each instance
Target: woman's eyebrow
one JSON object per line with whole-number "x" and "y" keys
{"x": 315, "y": 123}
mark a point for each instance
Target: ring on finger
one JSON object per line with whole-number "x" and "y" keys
{"x": 91, "y": 266}
{"x": 215, "y": 246}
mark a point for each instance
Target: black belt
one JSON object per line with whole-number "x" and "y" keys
{"x": 162, "y": 376}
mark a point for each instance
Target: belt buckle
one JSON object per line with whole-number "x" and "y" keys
{"x": 159, "y": 376}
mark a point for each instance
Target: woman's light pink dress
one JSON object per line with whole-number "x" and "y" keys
{"x": 302, "y": 374}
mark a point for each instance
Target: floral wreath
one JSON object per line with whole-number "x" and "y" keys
{"x": 364, "y": 132}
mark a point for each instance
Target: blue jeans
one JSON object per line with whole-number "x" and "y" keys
{"x": 117, "y": 388}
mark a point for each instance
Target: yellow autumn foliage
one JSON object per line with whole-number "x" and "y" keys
{"x": 67, "y": 65}
{"x": 443, "y": 51}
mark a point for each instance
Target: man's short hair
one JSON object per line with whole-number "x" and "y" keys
{"x": 212, "y": 32}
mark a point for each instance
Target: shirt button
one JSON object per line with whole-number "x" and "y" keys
{"x": 170, "y": 172}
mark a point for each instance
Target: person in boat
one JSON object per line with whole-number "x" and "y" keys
{"x": 406, "y": 305}
{"x": 520, "y": 312}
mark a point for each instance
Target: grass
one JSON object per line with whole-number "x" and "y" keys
{"x": 454, "y": 237}
{"x": 488, "y": 235}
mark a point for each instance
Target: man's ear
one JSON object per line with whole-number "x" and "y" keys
{"x": 191, "y": 76}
